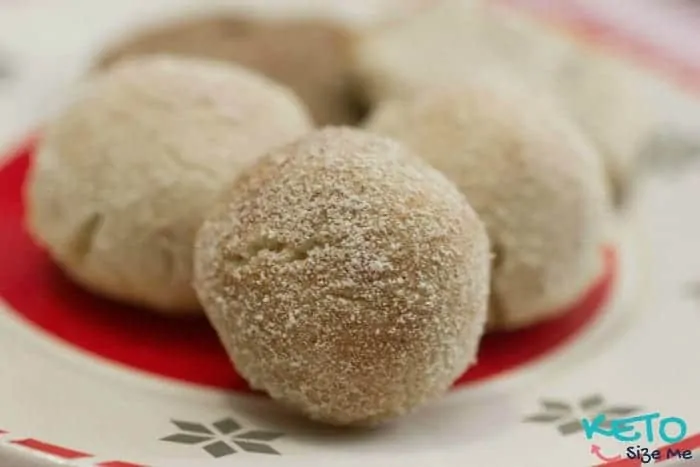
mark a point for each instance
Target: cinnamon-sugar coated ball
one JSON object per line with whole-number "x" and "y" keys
{"x": 123, "y": 176}
{"x": 345, "y": 277}
{"x": 310, "y": 56}
{"x": 529, "y": 175}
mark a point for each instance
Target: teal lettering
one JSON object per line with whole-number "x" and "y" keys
{"x": 683, "y": 429}
{"x": 649, "y": 427}
{"x": 593, "y": 427}
{"x": 670, "y": 430}
{"x": 621, "y": 426}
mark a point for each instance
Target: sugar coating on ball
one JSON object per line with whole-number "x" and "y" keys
{"x": 311, "y": 56}
{"x": 345, "y": 277}
{"x": 457, "y": 41}
{"x": 529, "y": 176}
{"x": 124, "y": 175}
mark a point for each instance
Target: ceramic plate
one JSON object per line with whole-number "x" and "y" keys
{"x": 87, "y": 382}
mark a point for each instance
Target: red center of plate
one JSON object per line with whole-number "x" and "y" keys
{"x": 187, "y": 349}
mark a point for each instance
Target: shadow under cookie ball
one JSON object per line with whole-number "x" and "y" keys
{"x": 312, "y": 57}
{"x": 345, "y": 277}
{"x": 529, "y": 175}
{"x": 123, "y": 176}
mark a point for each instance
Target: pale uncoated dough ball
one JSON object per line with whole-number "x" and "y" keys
{"x": 450, "y": 41}
{"x": 310, "y": 56}
{"x": 123, "y": 177}
{"x": 346, "y": 277}
{"x": 456, "y": 41}
{"x": 602, "y": 96}
{"x": 529, "y": 176}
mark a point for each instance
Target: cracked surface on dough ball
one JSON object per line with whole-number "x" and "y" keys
{"x": 346, "y": 277}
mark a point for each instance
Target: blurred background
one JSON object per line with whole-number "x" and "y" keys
{"x": 44, "y": 44}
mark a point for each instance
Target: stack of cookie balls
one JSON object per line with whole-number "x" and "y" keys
{"x": 350, "y": 272}
{"x": 458, "y": 40}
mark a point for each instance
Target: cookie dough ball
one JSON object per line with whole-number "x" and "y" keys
{"x": 123, "y": 177}
{"x": 444, "y": 44}
{"x": 346, "y": 277}
{"x": 455, "y": 42}
{"x": 601, "y": 95}
{"x": 312, "y": 57}
{"x": 531, "y": 178}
